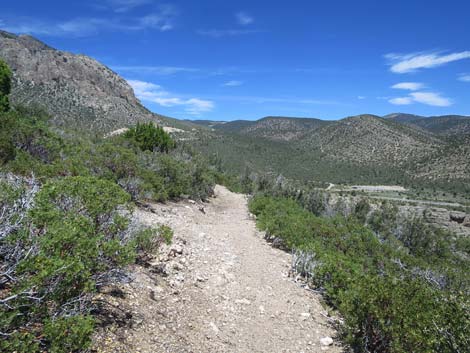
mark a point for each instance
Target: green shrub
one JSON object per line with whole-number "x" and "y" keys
{"x": 76, "y": 233}
{"x": 69, "y": 334}
{"x": 150, "y": 239}
{"x": 150, "y": 137}
{"x": 28, "y": 145}
{"x": 361, "y": 210}
{"x": 61, "y": 243}
{"x": 27, "y": 132}
{"x": 394, "y": 297}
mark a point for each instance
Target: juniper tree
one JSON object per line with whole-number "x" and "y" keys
{"x": 5, "y": 86}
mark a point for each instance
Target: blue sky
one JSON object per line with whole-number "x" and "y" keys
{"x": 226, "y": 60}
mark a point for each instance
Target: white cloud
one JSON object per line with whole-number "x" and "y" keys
{"x": 197, "y": 106}
{"x": 464, "y": 78}
{"x": 411, "y": 86}
{"x": 428, "y": 98}
{"x": 233, "y": 83}
{"x": 361, "y": 97}
{"x": 162, "y": 20}
{"x": 244, "y": 19}
{"x": 431, "y": 98}
{"x": 401, "y": 101}
{"x": 150, "y": 92}
{"x": 403, "y": 63}
{"x": 219, "y": 33}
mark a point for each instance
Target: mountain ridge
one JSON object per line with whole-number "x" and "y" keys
{"x": 75, "y": 89}
{"x": 81, "y": 93}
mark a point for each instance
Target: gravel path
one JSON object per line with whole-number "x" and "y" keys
{"x": 222, "y": 289}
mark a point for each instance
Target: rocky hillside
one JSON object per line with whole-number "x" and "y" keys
{"x": 448, "y": 125}
{"x": 368, "y": 139}
{"x": 76, "y": 90}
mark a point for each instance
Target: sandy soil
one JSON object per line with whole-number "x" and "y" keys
{"x": 219, "y": 288}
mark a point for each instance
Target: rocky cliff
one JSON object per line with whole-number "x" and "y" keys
{"x": 76, "y": 90}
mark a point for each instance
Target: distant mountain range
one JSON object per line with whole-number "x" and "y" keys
{"x": 81, "y": 93}
{"x": 393, "y": 148}
{"x": 444, "y": 125}
{"x": 290, "y": 128}
{"x": 271, "y": 127}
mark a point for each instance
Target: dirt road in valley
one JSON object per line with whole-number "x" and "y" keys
{"x": 222, "y": 289}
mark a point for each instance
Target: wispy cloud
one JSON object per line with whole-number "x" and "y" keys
{"x": 404, "y": 63}
{"x": 150, "y": 92}
{"x": 361, "y": 97}
{"x": 233, "y": 83}
{"x": 410, "y": 86}
{"x": 219, "y": 33}
{"x": 429, "y": 98}
{"x": 155, "y": 70}
{"x": 244, "y": 19}
{"x": 162, "y": 20}
{"x": 464, "y": 78}
{"x": 401, "y": 101}
{"x": 284, "y": 100}
{"x": 126, "y": 5}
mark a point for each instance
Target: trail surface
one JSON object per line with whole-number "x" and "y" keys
{"x": 223, "y": 289}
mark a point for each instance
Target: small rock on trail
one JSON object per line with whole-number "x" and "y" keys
{"x": 225, "y": 289}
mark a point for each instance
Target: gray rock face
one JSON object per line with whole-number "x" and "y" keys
{"x": 76, "y": 90}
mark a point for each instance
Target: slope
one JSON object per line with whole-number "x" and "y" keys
{"x": 447, "y": 125}
{"x": 368, "y": 139}
{"x": 76, "y": 90}
{"x": 274, "y": 128}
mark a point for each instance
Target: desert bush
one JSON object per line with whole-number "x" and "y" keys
{"x": 361, "y": 210}
{"x": 28, "y": 145}
{"x": 383, "y": 221}
{"x": 150, "y": 137}
{"x": 76, "y": 233}
{"x": 392, "y": 299}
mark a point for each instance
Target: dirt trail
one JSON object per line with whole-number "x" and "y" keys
{"x": 225, "y": 290}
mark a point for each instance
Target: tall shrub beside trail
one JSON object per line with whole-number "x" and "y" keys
{"x": 396, "y": 294}
{"x": 5, "y": 86}
{"x": 74, "y": 237}
{"x": 150, "y": 137}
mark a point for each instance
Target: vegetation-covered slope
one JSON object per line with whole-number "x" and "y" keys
{"x": 273, "y": 128}
{"x": 367, "y": 139}
{"x": 448, "y": 125}
{"x": 361, "y": 149}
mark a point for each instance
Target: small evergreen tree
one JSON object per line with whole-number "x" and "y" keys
{"x": 150, "y": 137}
{"x": 5, "y": 86}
